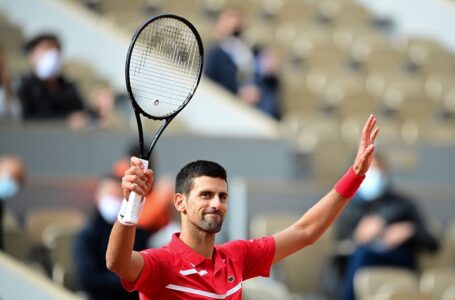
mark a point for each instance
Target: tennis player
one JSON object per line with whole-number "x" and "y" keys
{"x": 191, "y": 266}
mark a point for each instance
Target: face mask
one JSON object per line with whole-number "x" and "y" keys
{"x": 374, "y": 185}
{"x": 8, "y": 187}
{"x": 109, "y": 207}
{"x": 48, "y": 65}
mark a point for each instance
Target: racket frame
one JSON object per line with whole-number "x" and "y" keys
{"x": 137, "y": 109}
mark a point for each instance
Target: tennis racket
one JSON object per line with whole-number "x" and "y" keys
{"x": 162, "y": 71}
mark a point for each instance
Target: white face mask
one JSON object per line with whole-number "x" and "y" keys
{"x": 109, "y": 207}
{"x": 48, "y": 65}
{"x": 8, "y": 186}
{"x": 374, "y": 185}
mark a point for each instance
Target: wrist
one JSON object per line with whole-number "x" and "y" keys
{"x": 348, "y": 185}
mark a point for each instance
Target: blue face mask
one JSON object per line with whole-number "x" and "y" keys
{"x": 8, "y": 187}
{"x": 374, "y": 186}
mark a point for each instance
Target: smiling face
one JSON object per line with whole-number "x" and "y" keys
{"x": 205, "y": 206}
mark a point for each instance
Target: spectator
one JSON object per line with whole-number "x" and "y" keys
{"x": 102, "y": 107}
{"x": 45, "y": 92}
{"x": 91, "y": 244}
{"x": 268, "y": 63}
{"x": 232, "y": 64}
{"x": 101, "y": 111}
{"x": 12, "y": 177}
{"x": 386, "y": 227}
{"x": 10, "y": 107}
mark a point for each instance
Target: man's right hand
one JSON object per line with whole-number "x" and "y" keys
{"x": 137, "y": 179}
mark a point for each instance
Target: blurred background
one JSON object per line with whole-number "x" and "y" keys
{"x": 287, "y": 87}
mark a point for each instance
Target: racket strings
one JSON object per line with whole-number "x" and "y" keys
{"x": 164, "y": 66}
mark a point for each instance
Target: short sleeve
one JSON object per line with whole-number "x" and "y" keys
{"x": 256, "y": 255}
{"x": 153, "y": 275}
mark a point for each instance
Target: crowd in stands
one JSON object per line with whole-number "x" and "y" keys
{"x": 47, "y": 93}
{"x": 380, "y": 226}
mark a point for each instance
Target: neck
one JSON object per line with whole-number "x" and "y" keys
{"x": 198, "y": 240}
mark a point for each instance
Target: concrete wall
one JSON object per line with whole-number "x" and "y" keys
{"x": 18, "y": 281}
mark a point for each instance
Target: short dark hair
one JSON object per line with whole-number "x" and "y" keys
{"x": 31, "y": 44}
{"x": 184, "y": 179}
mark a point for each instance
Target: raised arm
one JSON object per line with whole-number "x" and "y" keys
{"x": 120, "y": 257}
{"x": 317, "y": 219}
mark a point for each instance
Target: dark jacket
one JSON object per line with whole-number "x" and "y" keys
{"x": 89, "y": 255}
{"x": 393, "y": 208}
{"x": 38, "y": 102}
{"x": 219, "y": 67}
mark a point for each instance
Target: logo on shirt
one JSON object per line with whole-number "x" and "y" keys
{"x": 231, "y": 278}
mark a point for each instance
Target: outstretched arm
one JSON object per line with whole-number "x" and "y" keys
{"x": 120, "y": 257}
{"x": 317, "y": 219}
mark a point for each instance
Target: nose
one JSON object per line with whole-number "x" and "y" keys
{"x": 215, "y": 203}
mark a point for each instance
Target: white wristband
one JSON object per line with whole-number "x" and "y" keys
{"x": 121, "y": 213}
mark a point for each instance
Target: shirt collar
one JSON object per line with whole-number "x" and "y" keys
{"x": 192, "y": 256}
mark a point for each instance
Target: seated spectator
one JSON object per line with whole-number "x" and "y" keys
{"x": 91, "y": 244}
{"x": 268, "y": 63}
{"x": 102, "y": 107}
{"x": 45, "y": 92}
{"x": 101, "y": 111}
{"x": 10, "y": 108}
{"x": 386, "y": 227}
{"x": 232, "y": 64}
{"x": 12, "y": 177}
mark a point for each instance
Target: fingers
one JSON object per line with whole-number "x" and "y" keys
{"x": 136, "y": 183}
{"x": 369, "y": 151}
{"x": 137, "y": 178}
{"x": 135, "y": 161}
{"x": 374, "y": 135}
{"x": 368, "y": 125}
{"x": 363, "y": 160}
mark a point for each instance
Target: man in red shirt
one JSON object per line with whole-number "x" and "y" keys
{"x": 191, "y": 266}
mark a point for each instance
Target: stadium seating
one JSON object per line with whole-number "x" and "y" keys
{"x": 377, "y": 280}
{"x": 339, "y": 66}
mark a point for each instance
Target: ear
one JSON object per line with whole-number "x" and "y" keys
{"x": 180, "y": 202}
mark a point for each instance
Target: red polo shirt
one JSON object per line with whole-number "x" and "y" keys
{"x": 176, "y": 271}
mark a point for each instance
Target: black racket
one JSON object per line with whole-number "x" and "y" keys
{"x": 162, "y": 71}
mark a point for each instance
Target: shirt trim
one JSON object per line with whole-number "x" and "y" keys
{"x": 204, "y": 293}
{"x": 192, "y": 271}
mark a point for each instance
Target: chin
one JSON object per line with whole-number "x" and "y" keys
{"x": 213, "y": 227}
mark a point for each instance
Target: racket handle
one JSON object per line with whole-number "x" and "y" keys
{"x": 134, "y": 204}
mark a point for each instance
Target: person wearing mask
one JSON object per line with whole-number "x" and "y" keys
{"x": 230, "y": 63}
{"x": 45, "y": 93}
{"x": 385, "y": 227}
{"x": 12, "y": 178}
{"x": 91, "y": 243}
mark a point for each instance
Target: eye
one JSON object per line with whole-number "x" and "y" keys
{"x": 206, "y": 195}
{"x": 223, "y": 197}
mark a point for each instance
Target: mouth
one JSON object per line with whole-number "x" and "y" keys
{"x": 212, "y": 215}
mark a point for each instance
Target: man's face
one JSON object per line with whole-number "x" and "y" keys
{"x": 206, "y": 204}
{"x": 40, "y": 50}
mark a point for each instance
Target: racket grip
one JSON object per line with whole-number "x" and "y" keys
{"x": 134, "y": 204}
